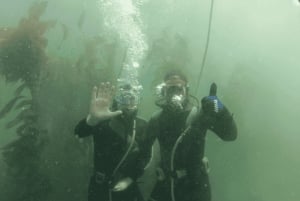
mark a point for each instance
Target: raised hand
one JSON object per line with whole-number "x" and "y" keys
{"x": 101, "y": 100}
{"x": 211, "y": 104}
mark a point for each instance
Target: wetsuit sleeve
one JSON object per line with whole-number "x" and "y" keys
{"x": 82, "y": 129}
{"x": 224, "y": 126}
{"x": 222, "y": 123}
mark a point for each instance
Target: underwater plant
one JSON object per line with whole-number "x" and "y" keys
{"x": 46, "y": 162}
{"x": 22, "y": 57}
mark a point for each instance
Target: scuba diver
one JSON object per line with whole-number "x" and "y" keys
{"x": 180, "y": 129}
{"x": 116, "y": 131}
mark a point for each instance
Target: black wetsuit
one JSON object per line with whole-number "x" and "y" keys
{"x": 166, "y": 126}
{"x": 111, "y": 140}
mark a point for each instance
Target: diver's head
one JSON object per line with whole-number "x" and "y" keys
{"x": 173, "y": 91}
{"x": 127, "y": 98}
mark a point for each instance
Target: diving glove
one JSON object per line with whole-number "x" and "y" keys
{"x": 212, "y": 105}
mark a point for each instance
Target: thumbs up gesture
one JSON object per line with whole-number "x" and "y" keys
{"x": 211, "y": 104}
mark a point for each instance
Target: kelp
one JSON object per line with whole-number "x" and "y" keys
{"x": 20, "y": 89}
{"x": 23, "y": 103}
{"x": 8, "y": 107}
{"x": 26, "y": 115}
{"x": 22, "y": 51}
{"x": 45, "y": 166}
{"x": 27, "y": 128}
{"x": 22, "y": 58}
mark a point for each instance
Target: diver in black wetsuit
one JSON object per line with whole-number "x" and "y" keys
{"x": 181, "y": 129}
{"x": 116, "y": 134}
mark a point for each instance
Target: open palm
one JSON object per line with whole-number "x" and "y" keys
{"x": 100, "y": 104}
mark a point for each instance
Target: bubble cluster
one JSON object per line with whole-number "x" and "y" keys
{"x": 123, "y": 17}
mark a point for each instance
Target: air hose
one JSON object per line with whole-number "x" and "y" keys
{"x": 124, "y": 156}
{"x": 189, "y": 119}
{"x": 179, "y": 140}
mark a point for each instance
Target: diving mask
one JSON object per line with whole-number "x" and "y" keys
{"x": 128, "y": 97}
{"x": 171, "y": 95}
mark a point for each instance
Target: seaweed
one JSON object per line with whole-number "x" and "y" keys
{"x": 23, "y": 103}
{"x": 26, "y": 115}
{"x": 22, "y": 51}
{"x": 8, "y": 107}
{"x": 36, "y": 167}
{"x": 22, "y": 58}
{"x": 20, "y": 89}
